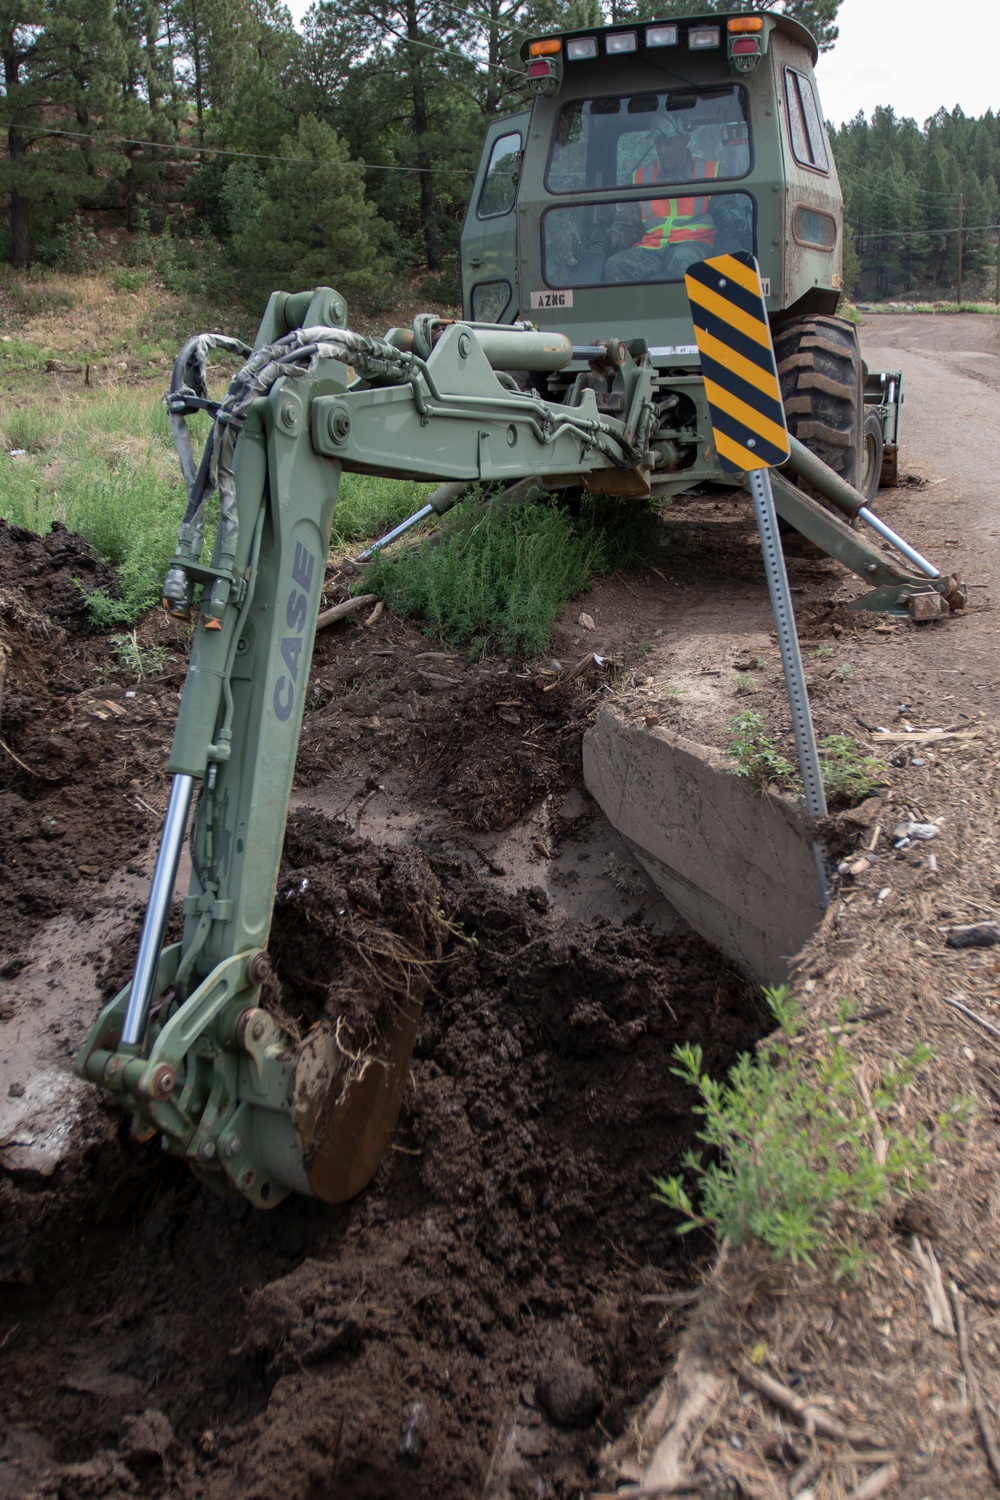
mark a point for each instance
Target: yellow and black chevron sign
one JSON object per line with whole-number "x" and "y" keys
{"x": 737, "y": 361}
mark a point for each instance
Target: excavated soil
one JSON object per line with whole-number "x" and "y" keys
{"x": 507, "y": 1270}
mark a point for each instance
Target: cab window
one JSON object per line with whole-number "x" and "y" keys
{"x": 500, "y": 185}
{"x": 804, "y": 125}
{"x": 608, "y": 242}
{"x": 608, "y": 142}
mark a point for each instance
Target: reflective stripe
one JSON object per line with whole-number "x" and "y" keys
{"x": 675, "y": 221}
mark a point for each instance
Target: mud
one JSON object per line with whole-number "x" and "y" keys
{"x": 504, "y": 1268}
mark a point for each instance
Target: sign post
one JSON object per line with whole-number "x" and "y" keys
{"x": 751, "y": 437}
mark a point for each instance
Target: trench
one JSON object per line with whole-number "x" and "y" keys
{"x": 507, "y": 1269}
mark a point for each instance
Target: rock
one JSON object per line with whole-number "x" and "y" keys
{"x": 587, "y": 621}
{"x": 569, "y": 1392}
{"x": 864, "y": 815}
{"x": 859, "y": 866}
{"x": 414, "y": 1430}
{"x": 974, "y": 935}
{"x": 145, "y": 1439}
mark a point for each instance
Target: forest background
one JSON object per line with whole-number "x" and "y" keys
{"x": 217, "y": 146}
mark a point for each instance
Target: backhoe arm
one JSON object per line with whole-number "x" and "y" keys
{"x": 187, "y": 1044}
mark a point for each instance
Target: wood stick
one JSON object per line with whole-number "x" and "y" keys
{"x": 876, "y": 1484}
{"x": 812, "y": 1417}
{"x": 934, "y": 1293}
{"x": 979, "y": 1020}
{"x": 700, "y": 1389}
{"x": 975, "y": 1395}
{"x": 339, "y": 611}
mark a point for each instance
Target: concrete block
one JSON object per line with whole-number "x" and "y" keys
{"x": 738, "y": 864}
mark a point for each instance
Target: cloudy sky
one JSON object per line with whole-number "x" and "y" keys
{"x": 913, "y": 54}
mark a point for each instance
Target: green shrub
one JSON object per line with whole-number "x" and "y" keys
{"x": 501, "y": 573}
{"x": 795, "y": 1146}
{"x": 848, "y": 773}
{"x": 129, "y": 278}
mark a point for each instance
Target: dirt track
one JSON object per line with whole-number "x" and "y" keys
{"x": 510, "y": 1236}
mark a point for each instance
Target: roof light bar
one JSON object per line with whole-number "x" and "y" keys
{"x": 746, "y": 23}
{"x": 745, "y": 46}
{"x": 547, "y": 48}
{"x": 661, "y": 36}
{"x": 620, "y": 41}
{"x": 701, "y": 37}
{"x": 581, "y": 47}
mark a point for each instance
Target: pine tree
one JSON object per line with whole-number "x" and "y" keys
{"x": 62, "y": 62}
{"x": 313, "y": 225}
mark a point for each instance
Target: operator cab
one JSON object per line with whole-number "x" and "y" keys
{"x": 647, "y": 148}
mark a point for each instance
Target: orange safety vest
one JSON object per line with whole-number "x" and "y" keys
{"x": 672, "y": 221}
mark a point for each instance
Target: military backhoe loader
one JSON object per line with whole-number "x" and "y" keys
{"x": 647, "y": 146}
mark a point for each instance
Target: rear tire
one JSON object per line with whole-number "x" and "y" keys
{"x": 822, "y": 385}
{"x": 871, "y": 468}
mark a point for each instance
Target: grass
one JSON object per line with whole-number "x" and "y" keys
{"x": 799, "y": 1159}
{"x": 98, "y": 457}
{"x": 903, "y": 304}
{"x": 368, "y": 506}
{"x": 104, "y": 466}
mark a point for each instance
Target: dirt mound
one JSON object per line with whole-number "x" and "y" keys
{"x": 77, "y": 735}
{"x": 493, "y": 1272}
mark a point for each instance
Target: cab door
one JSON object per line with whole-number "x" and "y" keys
{"x": 489, "y": 235}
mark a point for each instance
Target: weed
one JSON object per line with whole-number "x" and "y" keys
{"x": 670, "y": 690}
{"x": 628, "y": 529}
{"x": 502, "y": 573}
{"x": 142, "y": 661}
{"x": 845, "y": 671}
{"x": 848, "y": 774}
{"x": 823, "y": 651}
{"x": 624, "y": 877}
{"x": 744, "y": 684}
{"x": 681, "y": 540}
{"x": 755, "y": 754}
{"x": 795, "y": 1147}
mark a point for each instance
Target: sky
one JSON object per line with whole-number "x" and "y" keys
{"x": 916, "y": 55}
